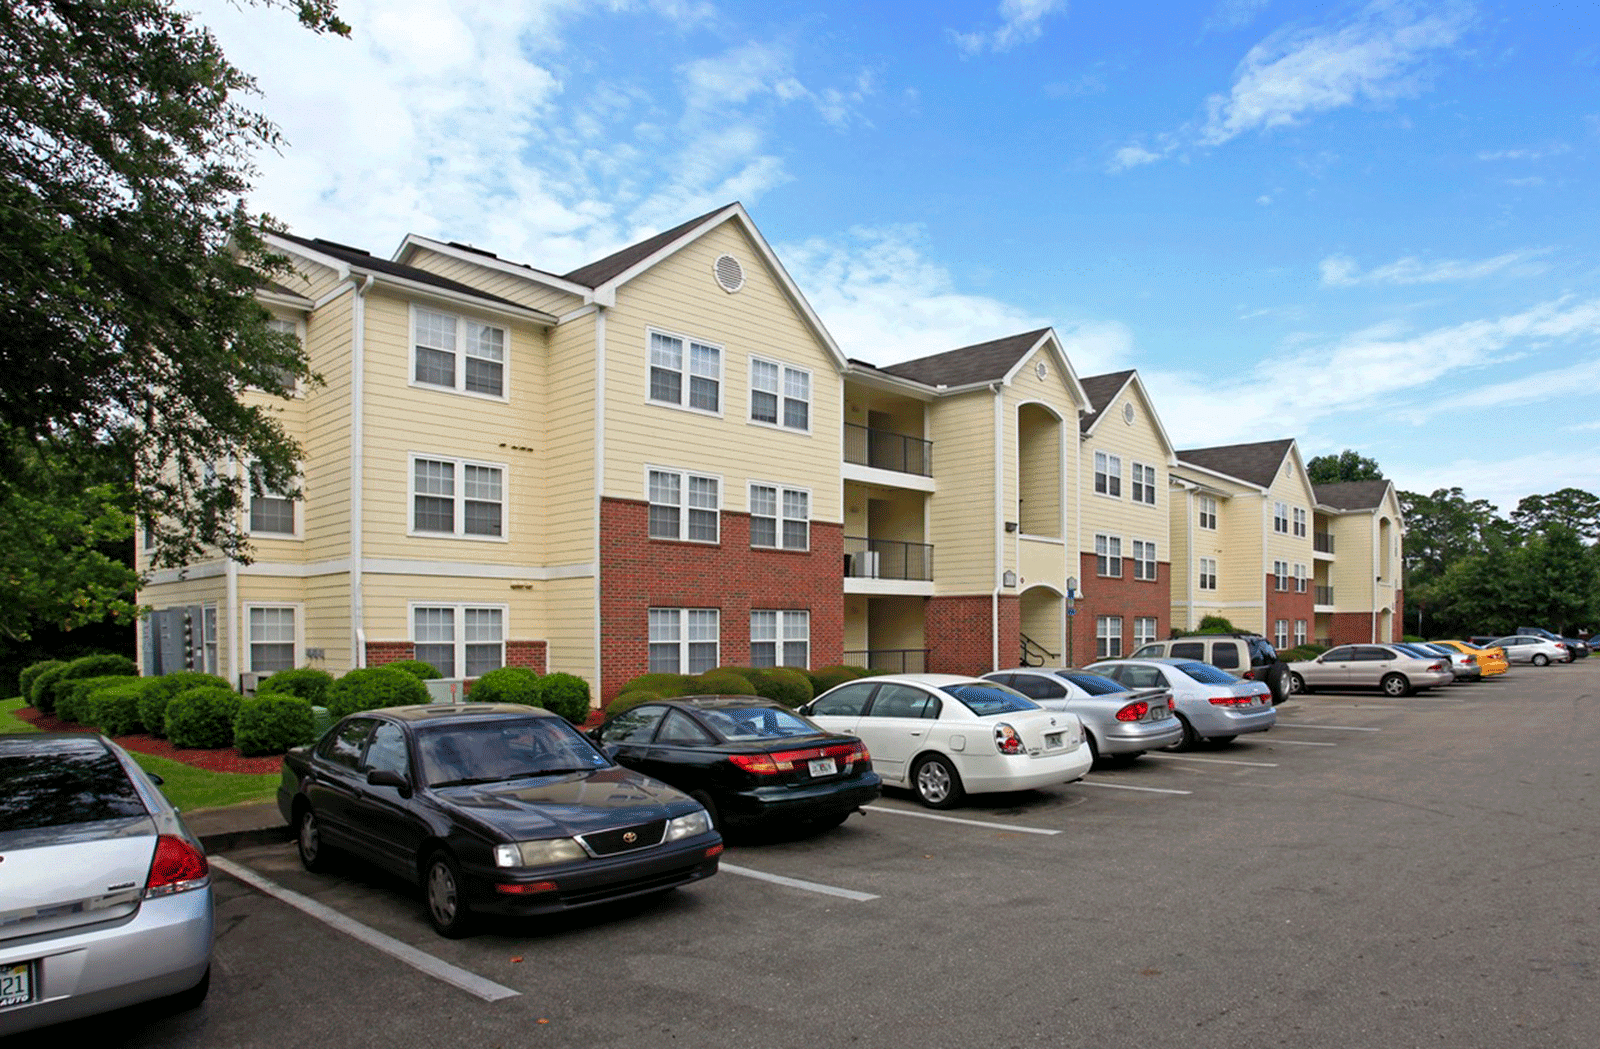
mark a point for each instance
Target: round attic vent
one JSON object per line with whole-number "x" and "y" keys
{"x": 729, "y": 274}
{"x": 1127, "y": 414}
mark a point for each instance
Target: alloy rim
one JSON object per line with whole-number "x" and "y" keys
{"x": 309, "y": 836}
{"x": 933, "y": 781}
{"x": 442, "y": 893}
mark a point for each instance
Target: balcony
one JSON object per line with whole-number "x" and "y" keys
{"x": 887, "y": 559}
{"x": 1322, "y": 542}
{"x": 890, "y": 660}
{"x": 885, "y": 450}
{"x": 1324, "y": 595}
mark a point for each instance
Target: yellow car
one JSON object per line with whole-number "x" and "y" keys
{"x": 1491, "y": 660}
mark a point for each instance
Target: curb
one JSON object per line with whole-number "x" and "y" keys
{"x": 227, "y": 840}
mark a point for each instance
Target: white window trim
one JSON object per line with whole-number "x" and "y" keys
{"x": 460, "y": 498}
{"x": 1280, "y": 633}
{"x": 1280, "y": 577}
{"x": 1140, "y": 640}
{"x": 783, "y": 369}
{"x": 1204, "y": 513}
{"x": 750, "y": 502}
{"x": 1117, "y": 560}
{"x": 299, "y": 609}
{"x": 296, "y": 505}
{"x": 460, "y": 388}
{"x": 1301, "y": 583}
{"x": 1300, "y": 526}
{"x": 683, "y": 507}
{"x": 1095, "y": 472}
{"x": 1200, "y": 583}
{"x": 299, "y": 322}
{"x": 784, "y": 615}
{"x": 683, "y": 641}
{"x": 1106, "y": 635}
{"x": 460, "y": 642}
{"x": 1134, "y": 469}
{"x": 1299, "y": 632}
{"x": 1280, "y": 516}
{"x": 1138, "y": 562}
{"x": 684, "y": 406}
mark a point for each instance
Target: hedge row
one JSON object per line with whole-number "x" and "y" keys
{"x": 789, "y": 686}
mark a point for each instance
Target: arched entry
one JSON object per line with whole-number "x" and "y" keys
{"x": 1043, "y": 627}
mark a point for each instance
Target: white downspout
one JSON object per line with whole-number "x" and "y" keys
{"x": 235, "y": 628}
{"x": 999, "y": 529}
{"x": 358, "y": 353}
{"x": 1192, "y": 559}
{"x": 599, "y": 491}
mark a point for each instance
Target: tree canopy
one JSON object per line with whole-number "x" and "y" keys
{"x": 1348, "y": 465}
{"x": 1571, "y": 508}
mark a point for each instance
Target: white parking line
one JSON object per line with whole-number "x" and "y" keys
{"x": 957, "y": 819}
{"x": 1125, "y": 786}
{"x": 1215, "y": 761}
{"x": 796, "y": 883}
{"x": 1301, "y": 743}
{"x": 423, "y": 962}
{"x": 1330, "y": 728}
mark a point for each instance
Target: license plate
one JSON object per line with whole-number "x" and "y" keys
{"x": 16, "y": 984}
{"x": 1052, "y": 739}
{"x": 823, "y": 767}
{"x": 1157, "y": 713}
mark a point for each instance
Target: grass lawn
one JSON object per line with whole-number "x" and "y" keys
{"x": 185, "y": 786}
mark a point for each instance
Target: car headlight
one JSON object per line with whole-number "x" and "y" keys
{"x": 537, "y": 853}
{"x": 697, "y": 822}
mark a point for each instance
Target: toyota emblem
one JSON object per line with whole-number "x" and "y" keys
{"x": 630, "y": 837}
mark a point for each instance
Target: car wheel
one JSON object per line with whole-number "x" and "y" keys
{"x": 1189, "y": 737}
{"x": 447, "y": 901}
{"x": 308, "y": 842}
{"x": 1540, "y": 659}
{"x": 936, "y": 782}
{"x": 710, "y": 806}
{"x": 1395, "y": 685}
{"x": 1094, "y": 748}
{"x": 1297, "y": 684}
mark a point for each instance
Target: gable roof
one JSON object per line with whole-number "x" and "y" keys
{"x": 597, "y": 273}
{"x": 1352, "y": 495}
{"x": 981, "y": 362}
{"x": 1102, "y": 390}
{"x": 1255, "y": 464}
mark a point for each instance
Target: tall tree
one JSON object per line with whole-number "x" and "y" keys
{"x": 128, "y": 266}
{"x": 1572, "y": 508}
{"x": 1348, "y": 465}
{"x": 1443, "y": 528}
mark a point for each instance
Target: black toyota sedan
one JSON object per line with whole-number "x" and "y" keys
{"x": 750, "y": 762}
{"x": 491, "y": 809}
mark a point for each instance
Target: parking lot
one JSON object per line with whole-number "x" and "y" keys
{"x": 1373, "y": 872}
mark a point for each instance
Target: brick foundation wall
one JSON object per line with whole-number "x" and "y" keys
{"x": 1126, "y": 597}
{"x": 638, "y": 573}
{"x": 1399, "y": 615}
{"x": 960, "y": 633}
{"x": 1289, "y": 605}
{"x": 381, "y": 652}
{"x": 529, "y": 654}
{"x": 1351, "y": 628}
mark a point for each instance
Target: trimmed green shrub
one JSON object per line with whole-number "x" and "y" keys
{"x": 308, "y": 683}
{"x": 372, "y": 687}
{"x": 73, "y": 696}
{"x": 748, "y": 673}
{"x": 1216, "y": 625}
{"x": 784, "y": 685}
{"x": 202, "y": 717}
{"x": 723, "y": 683}
{"x": 838, "y": 674}
{"x": 422, "y": 671}
{"x": 507, "y": 685}
{"x": 665, "y": 686}
{"x": 272, "y": 723}
{"x": 28, "y": 675}
{"x": 564, "y": 694}
{"x": 42, "y": 696}
{"x": 153, "y": 704}
{"x": 101, "y": 665}
{"x": 629, "y": 700}
{"x": 116, "y": 707}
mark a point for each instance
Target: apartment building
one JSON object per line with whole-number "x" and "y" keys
{"x": 1359, "y": 590}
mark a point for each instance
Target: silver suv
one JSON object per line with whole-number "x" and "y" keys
{"x": 1247, "y": 656}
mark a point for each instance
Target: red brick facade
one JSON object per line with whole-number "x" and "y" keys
{"x": 529, "y": 654}
{"x": 1127, "y": 597}
{"x": 959, "y": 633}
{"x": 638, "y": 573}
{"x": 1289, "y": 605}
{"x": 381, "y": 652}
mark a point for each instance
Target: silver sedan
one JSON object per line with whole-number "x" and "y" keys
{"x": 107, "y": 895}
{"x": 1118, "y": 723}
{"x": 1526, "y": 648}
{"x": 1388, "y": 668}
{"x": 1211, "y": 704}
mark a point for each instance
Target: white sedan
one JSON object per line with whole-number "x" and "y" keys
{"x": 945, "y": 736}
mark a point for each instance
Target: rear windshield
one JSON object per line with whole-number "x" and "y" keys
{"x": 1207, "y": 674}
{"x": 988, "y": 699}
{"x": 737, "y": 724}
{"x": 1094, "y": 684}
{"x": 77, "y": 784}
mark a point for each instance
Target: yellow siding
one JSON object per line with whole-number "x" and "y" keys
{"x": 961, "y": 514}
{"x": 1292, "y": 488}
{"x": 1137, "y": 443}
{"x": 327, "y": 621}
{"x": 569, "y": 617}
{"x": 566, "y": 488}
{"x": 524, "y": 290}
{"x": 1043, "y": 562}
{"x": 311, "y": 279}
{"x": 326, "y": 443}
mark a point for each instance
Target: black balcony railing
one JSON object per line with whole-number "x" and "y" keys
{"x": 885, "y": 450}
{"x": 1322, "y": 542}
{"x": 890, "y": 660}
{"x": 1324, "y": 595}
{"x": 886, "y": 559}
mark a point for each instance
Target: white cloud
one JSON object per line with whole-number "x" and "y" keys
{"x": 1512, "y": 388}
{"x": 1342, "y": 271}
{"x": 1021, "y": 22}
{"x": 1503, "y": 482}
{"x": 1132, "y": 157}
{"x": 1234, "y": 14}
{"x": 1535, "y": 153}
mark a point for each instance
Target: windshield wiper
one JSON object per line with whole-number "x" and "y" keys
{"x": 469, "y": 781}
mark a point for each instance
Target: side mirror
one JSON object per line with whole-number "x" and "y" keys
{"x": 153, "y": 778}
{"x": 386, "y": 778}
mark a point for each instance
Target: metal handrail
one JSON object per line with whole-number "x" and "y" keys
{"x": 890, "y": 660}
{"x": 866, "y": 558}
{"x": 1035, "y": 654}
{"x": 886, "y": 450}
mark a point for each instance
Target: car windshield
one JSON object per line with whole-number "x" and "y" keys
{"x": 58, "y": 786}
{"x": 1094, "y": 684}
{"x": 989, "y": 698}
{"x": 1207, "y": 674}
{"x": 494, "y": 751}
{"x": 737, "y": 724}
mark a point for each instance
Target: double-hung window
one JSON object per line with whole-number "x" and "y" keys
{"x": 273, "y": 638}
{"x": 1208, "y": 511}
{"x": 460, "y": 640}
{"x": 1144, "y": 484}
{"x": 271, "y": 513}
{"x": 780, "y": 638}
{"x": 1108, "y": 555}
{"x": 685, "y": 373}
{"x": 457, "y": 497}
{"x": 1280, "y": 518}
{"x": 286, "y": 382}
{"x": 1144, "y": 631}
{"x": 1280, "y": 575}
{"x": 780, "y": 395}
{"x": 1108, "y": 474}
{"x": 684, "y": 640}
{"x": 685, "y": 506}
{"x": 1299, "y": 632}
{"x": 1144, "y": 560}
{"x": 1208, "y": 573}
{"x": 457, "y": 353}
{"x": 1300, "y": 582}
{"x": 1107, "y": 637}
{"x": 1300, "y": 522}
{"x": 780, "y": 517}
{"x": 1280, "y": 634}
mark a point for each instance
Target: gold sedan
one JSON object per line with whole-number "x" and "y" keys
{"x": 1491, "y": 660}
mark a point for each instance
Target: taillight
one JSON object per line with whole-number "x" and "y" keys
{"x": 1133, "y": 711}
{"x": 1233, "y": 701}
{"x": 1437, "y": 666}
{"x": 757, "y": 764}
{"x": 786, "y": 760}
{"x": 1007, "y": 740}
{"x": 177, "y": 867}
{"x": 1249, "y": 675}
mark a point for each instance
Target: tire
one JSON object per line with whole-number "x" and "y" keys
{"x": 711, "y": 808}
{"x": 1395, "y": 685}
{"x": 1190, "y": 738}
{"x": 308, "y": 842}
{"x": 1094, "y": 748}
{"x": 448, "y": 910}
{"x": 936, "y": 782}
{"x": 1540, "y": 659}
{"x": 1297, "y": 685}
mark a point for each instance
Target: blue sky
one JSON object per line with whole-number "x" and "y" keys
{"x": 1367, "y": 225}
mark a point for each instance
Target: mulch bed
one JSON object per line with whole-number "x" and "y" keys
{"x": 224, "y": 760}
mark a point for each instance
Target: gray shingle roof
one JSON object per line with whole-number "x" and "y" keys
{"x": 357, "y": 257}
{"x": 981, "y": 362}
{"x": 1101, "y": 389}
{"x": 597, "y": 273}
{"x": 1256, "y": 463}
{"x": 1352, "y": 495}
